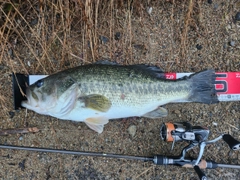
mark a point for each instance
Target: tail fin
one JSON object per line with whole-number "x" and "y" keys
{"x": 203, "y": 88}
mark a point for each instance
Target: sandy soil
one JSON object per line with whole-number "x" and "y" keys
{"x": 42, "y": 37}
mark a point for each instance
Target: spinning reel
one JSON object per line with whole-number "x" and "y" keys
{"x": 196, "y": 136}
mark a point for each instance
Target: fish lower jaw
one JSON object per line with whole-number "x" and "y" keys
{"x": 26, "y": 104}
{"x": 36, "y": 108}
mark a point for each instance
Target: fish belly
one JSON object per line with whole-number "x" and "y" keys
{"x": 80, "y": 113}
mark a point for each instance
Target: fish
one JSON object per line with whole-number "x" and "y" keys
{"x": 96, "y": 93}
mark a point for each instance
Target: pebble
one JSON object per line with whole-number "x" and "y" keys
{"x": 177, "y": 112}
{"x": 11, "y": 113}
{"x": 215, "y": 124}
{"x": 132, "y": 130}
{"x": 229, "y": 26}
{"x": 89, "y": 45}
{"x": 199, "y": 47}
{"x": 209, "y": 1}
{"x": 232, "y": 43}
{"x": 34, "y": 22}
{"x": 149, "y": 10}
{"x": 104, "y": 39}
{"x": 215, "y": 6}
{"x": 20, "y": 138}
{"x": 2, "y": 67}
{"x": 22, "y": 164}
{"x": 237, "y": 17}
{"x": 117, "y": 36}
{"x": 225, "y": 46}
{"x": 138, "y": 46}
{"x": 10, "y": 52}
{"x": 58, "y": 16}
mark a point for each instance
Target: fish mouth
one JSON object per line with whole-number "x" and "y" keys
{"x": 26, "y": 104}
{"x": 34, "y": 102}
{"x": 30, "y": 102}
{"x": 33, "y": 105}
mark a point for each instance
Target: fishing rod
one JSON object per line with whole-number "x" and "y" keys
{"x": 170, "y": 132}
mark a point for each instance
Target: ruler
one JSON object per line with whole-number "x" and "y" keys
{"x": 227, "y": 85}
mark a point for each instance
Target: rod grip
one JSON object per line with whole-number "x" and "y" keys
{"x": 233, "y": 143}
{"x": 160, "y": 160}
{"x": 201, "y": 174}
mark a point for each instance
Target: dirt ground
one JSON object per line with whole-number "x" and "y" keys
{"x": 43, "y": 37}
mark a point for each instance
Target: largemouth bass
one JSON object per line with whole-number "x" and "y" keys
{"x": 98, "y": 92}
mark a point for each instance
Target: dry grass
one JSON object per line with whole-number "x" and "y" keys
{"x": 55, "y": 34}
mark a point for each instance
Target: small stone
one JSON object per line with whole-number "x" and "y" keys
{"x": 199, "y": 47}
{"x": 58, "y": 16}
{"x": 177, "y": 112}
{"x": 209, "y": 1}
{"x": 10, "y": 52}
{"x": 149, "y": 10}
{"x": 215, "y": 124}
{"x": 232, "y": 43}
{"x": 20, "y": 138}
{"x": 215, "y": 6}
{"x": 210, "y": 114}
{"x": 34, "y": 22}
{"x": 104, "y": 39}
{"x": 89, "y": 45}
{"x": 117, "y": 36}
{"x": 132, "y": 130}
{"x": 138, "y": 46}
{"x": 2, "y": 67}
{"x": 225, "y": 46}
{"x": 11, "y": 113}
{"x": 22, "y": 165}
{"x": 237, "y": 17}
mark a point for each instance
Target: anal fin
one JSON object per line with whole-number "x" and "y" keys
{"x": 157, "y": 113}
{"x": 97, "y": 123}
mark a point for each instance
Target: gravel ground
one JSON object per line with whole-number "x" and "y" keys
{"x": 177, "y": 36}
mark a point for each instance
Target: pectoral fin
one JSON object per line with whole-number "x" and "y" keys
{"x": 96, "y": 124}
{"x": 157, "y": 113}
{"x": 97, "y": 102}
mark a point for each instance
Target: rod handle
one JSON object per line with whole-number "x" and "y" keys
{"x": 201, "y": 174}
{"x": 160, "y": 160}
{"x": 233, "y": 143}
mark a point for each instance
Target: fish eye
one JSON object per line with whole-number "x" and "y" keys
{"x": 39, "y": 83}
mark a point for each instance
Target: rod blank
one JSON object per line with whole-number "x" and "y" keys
{"x": 109, "y": 155}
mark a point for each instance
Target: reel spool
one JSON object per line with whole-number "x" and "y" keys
{"x": 183, "y": 131}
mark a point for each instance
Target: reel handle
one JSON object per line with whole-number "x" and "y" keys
{"x": 233, "y": 143}
{"x": 201, "y": 174}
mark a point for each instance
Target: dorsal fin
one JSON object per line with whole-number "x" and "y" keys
{"x": 154, "y": 70}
